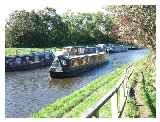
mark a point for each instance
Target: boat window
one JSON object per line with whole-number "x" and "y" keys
{"x": 10, "y": 61}
{"x": 64, "y": 63}
{"x": 73, "y": 51}
{"x": 36, "y": 58}
{"x": 75, "y": 62}
{"x": 80, "y": 50}
{"x": 27, "y": 58}
{"x": 62, "y": 60}
{"x": 47, "y": 55}
{"x": 100, "y": 49}
{"x": 18, "y": 60}
{"x": 84, "y": 60}
{"x": 56, "y": 63}
{"x": 67, "y": 51}
{"x": 90, "y": 50}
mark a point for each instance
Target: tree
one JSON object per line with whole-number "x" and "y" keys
{"x": 16, "y": 28}
{"x": 88, "y": 28}
{"x": 136, "y": 24}
{"x": 43, "y": 28}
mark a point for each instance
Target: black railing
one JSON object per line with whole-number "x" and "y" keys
{"x": 118, "y": 96}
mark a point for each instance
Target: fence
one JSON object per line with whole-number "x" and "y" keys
{"x": 118, "y": 96}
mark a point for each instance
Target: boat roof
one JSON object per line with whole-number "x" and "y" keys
{"x": 74, "y": 47}
{"x": 81, "y": 56}
{"x": 100, "y": 44}
{"x": 91, "y": 47}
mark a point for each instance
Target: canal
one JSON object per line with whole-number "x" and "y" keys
{"x": 27, "y": 92}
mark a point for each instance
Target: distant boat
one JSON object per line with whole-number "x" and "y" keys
{"x": 115, "y": 48}
{"x": 76, "y": 60}
{"x": 27, "y": 62}
{"x": 133, "y": 48}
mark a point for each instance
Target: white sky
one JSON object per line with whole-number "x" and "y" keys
{"x": 62, "y": 5}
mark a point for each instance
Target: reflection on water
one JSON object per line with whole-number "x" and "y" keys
{"x": 28, "y": 91}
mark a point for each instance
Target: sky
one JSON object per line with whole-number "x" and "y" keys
{"x": 60, "y": 5}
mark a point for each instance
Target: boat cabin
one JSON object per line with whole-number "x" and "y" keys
{"x": 79, "y": 56}
{"x": 76, "y": 50}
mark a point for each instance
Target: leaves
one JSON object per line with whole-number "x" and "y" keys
{"x": 137, "y": 24}
{"x": 130, "y": 24}
{"x": 45, "y": 28}
{"x": 34, "y": 29}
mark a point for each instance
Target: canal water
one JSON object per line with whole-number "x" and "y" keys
{"x": 27, "y": 92}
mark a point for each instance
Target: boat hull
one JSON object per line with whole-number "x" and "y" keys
{"x": 28, "y": 66}
{"x": 134, "y": 48}
{"x": 72, "y": 72}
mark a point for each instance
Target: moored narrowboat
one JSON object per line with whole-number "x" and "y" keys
{"x": 115, "y": 48}
{"x": 27, "y": 62}
{"x": 76, "y": 60}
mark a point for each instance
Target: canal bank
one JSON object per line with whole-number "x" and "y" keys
{"x": 142, "y": 103}
{"x": 29, "y": 91}
{"x": 78, "y": 102}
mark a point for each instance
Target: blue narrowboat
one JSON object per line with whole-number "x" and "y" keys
{"x": 27, "y": 62}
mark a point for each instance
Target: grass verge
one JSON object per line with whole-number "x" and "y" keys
{"x": 144, "y": 74}
{"x": 79, "y": 101}
{"x": 76, "y": 103}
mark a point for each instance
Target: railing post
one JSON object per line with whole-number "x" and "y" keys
{"x": 125, "y": 89}
{"x": 114, "y": 105}
{"x": 118, "y": 97}
{"x": 121, "y": 97}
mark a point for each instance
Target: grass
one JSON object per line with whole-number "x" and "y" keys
{"x": 131, "y": 110}
{"x": 147, "y": 87}
{"x": 105, "y": 111}
{"x": 26, "y": 51}
{"x": 76, "y": 103}
{"x": 95, "y": 96}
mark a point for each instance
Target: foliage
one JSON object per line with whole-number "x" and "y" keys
{"x": 45, "y": 28}
{"x": 34, "y": 29}
{"x": 88, "y": 28}
{"x": 148, "y": 86}
{"x": 135, "y": 23}
{"x": 131, "y": 110}
{"x": 132, "y": 24}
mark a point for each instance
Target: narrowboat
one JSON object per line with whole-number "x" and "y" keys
{"x": 76, "y": 60}
{"x": 27, "y": 62}
{"x": 133, "y": 48}
{"x": 114, "y": 48}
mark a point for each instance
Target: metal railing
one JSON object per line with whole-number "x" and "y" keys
{"x": 118, "y": 96}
